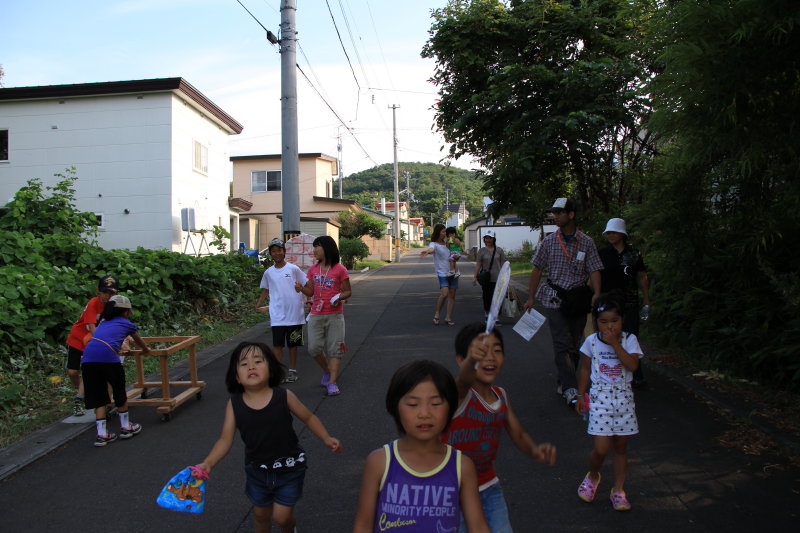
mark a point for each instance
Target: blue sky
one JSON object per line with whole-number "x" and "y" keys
{"x": 218, "y": 47}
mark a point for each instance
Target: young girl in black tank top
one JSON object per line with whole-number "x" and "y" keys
{"x": 262, "y": 412}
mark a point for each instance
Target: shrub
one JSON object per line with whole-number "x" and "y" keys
{"x": 352, "y": 250}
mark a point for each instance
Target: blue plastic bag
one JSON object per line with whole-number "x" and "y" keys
{"x": 185, "y": 492}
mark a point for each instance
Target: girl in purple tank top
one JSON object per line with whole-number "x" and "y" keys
{"x": 417, "y": 483}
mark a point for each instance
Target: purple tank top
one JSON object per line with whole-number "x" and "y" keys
{"x": 419, "y": 502}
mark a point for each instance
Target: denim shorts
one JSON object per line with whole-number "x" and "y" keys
{"x": 494, "y": 509}
{"x": 448, "y": 281}
{"x": 265, "y": 487}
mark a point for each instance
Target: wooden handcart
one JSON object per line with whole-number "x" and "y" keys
{"x": 137, "y": 396}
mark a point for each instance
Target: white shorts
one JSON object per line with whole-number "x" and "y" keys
{"x": 612, "y": 410}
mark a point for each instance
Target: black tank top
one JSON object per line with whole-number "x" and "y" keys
{"x": 269, "y": 438}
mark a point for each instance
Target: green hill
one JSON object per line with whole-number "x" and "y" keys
{"x": 428, "y": 183}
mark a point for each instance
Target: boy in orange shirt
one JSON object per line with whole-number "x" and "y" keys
{"x": 80, "y": 333}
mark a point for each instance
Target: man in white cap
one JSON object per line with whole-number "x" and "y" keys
{"x": 570, "y": 258}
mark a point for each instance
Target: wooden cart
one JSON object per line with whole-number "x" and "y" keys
{"x": 137, "y": 396}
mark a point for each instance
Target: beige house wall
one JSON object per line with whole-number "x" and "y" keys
{"x": 379, "y": 248}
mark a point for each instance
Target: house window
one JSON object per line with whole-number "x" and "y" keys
{"x": 200, "y": 160}
{"x": 100, "y": 222}
{"x": 265, "y": 180}
{"x": 3, "y": 145}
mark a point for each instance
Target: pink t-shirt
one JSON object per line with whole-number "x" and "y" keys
{"x": 327, "y": 284}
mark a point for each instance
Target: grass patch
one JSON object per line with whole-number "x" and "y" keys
{"x": 45, "y": 395}
{"x": 521, "y": 267}
{"x": 371, "y": 263}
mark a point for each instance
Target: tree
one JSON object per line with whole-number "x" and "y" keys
{"x": 354, "y": 225}
{"x": 727, "y": 188}
{"x": 544, "y": 95}
{"x": 428, "y": 182}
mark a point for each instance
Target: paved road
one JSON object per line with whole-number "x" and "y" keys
{"x": 679, "y": 478}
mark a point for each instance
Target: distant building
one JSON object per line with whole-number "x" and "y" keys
{"x": 143, "y": 150}
{"x": 258, "y": 179}
{"x": 458, "y": 214}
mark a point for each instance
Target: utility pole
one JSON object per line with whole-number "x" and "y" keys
{"x": 394, "y": 109}
{"x": 341, "y": 174}
{"x": 290, "y": 164}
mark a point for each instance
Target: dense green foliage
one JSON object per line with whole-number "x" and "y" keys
{"x": 354, "y": 225}
{"x": 428, "y": 183}
{"x": 49, "y": 269}
{"x": 680, "y": 116}
{"x": 546, "y": 99}
{"x": 352, "y": 250}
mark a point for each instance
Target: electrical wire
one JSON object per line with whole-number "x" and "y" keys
{"x": 339, "y": 35}
{"x": 353, "y": 42}
{"x": 337, "y": 116}
{"x": 254, "y": 17}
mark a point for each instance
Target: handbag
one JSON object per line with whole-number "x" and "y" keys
{"x": 485, "y": 276}
{"x": 510, "y": 308}
{"x": 576, "y": 301}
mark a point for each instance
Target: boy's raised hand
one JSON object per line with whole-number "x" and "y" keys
{"x": 478, "y": 349}
{"x": 544, "y": 453}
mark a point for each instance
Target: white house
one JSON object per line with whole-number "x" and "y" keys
{"x": 143, "y": 150}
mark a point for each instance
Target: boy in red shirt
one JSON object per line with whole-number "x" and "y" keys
{"x": 483, "y": 413}
{"x": 82, "y": 330}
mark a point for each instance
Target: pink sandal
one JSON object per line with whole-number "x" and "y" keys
{"x": 620, "y": 501}
{"x": 588, "y": 488}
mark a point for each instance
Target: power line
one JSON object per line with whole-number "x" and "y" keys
{"x": 254, "y": 17}
{"x": 353, "y": 42}
{"x": 339, "y": 35}
{"x": 400, "y": 91}
{"x": 380, "y": 46}
{"x": 337, "y": 116}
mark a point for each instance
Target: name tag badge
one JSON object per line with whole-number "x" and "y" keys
{"x": 580, "y": 256}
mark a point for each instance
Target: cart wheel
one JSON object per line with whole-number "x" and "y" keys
{"x": 199, "y": 395}
{"x": 166, "y": 417}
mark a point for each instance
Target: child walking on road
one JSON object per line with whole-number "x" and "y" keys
{"x": 613, "y": 356}
{"x": 422, "y": 399}
{"x": 329, "y": 284}
{"x": 80, "y": 333}
{"x": 262, "y": 411}
{"x": 282, "y": 283}
{"x": 102, "y": 366}
{"x": 483, "y": 413}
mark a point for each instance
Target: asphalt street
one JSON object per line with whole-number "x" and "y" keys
{"x": 679, "y": 477}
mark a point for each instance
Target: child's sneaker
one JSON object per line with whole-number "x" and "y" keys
{"x": 457, "y": 274}
{"x": 450, "y": 273}
{"x": 130, "y": 431}
{"x": 326, "y": 378}
{"x": 77, "y": 407}
{"x": 102, "y": 440}
{"x": 291, "y": 377}
{"x": 333, "y": 389}
{"x": 620, "y": 501}
{"x": 588, "y": 488}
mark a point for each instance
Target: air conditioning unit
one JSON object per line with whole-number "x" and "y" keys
{"x": 187, "y": 219}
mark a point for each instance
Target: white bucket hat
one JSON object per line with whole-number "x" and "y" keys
{"x": 616, "y": 225}
{"x": 120, "y": 301}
